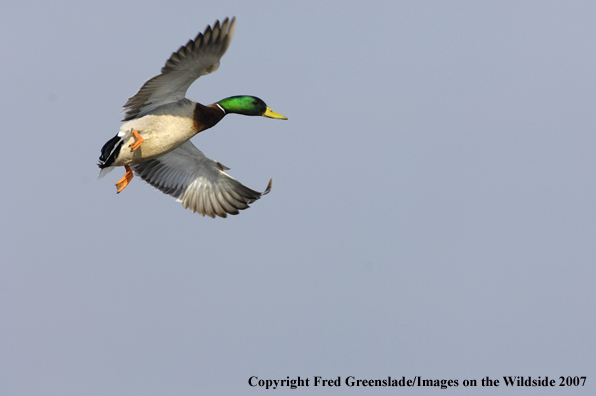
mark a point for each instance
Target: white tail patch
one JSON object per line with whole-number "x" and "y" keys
{"x": 104, "y": 172}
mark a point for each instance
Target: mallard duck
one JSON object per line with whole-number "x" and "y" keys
{"x": 160, "y": 120}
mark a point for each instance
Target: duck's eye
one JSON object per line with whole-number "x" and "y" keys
{"x": 255, "y": 102}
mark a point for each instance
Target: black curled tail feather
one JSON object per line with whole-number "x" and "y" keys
{"x": 110, "y": 151}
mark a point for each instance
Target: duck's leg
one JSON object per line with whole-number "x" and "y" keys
{"x": 122, "y": 183}
{"x": 138, "y": 141}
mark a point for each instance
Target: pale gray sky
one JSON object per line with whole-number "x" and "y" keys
{"x": 432, "y": 214}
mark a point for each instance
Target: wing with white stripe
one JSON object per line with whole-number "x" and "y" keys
{"x": 198, "y": 182}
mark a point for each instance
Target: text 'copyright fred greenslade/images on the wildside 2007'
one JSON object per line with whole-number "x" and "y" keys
{"x": 417, "y": 381}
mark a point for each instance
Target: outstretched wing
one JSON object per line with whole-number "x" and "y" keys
{"x": 200, "y": 183}
{"x": 193, "y": 60}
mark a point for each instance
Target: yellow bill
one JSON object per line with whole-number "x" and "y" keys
{"x": 272, "y": 114}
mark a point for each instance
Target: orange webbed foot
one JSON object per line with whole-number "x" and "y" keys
{"x": 138, "y": 141}
{"x": 122, "y": 183}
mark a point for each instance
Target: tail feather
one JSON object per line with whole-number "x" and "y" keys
{"x": 110, "y": 151}
{"x": 104, "y": 171}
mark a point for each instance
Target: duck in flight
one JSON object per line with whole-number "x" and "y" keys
{"x": 155, "y": 140}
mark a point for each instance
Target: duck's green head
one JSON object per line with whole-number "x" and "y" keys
{"x": 248, "y": 105}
